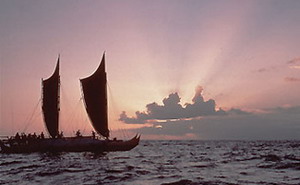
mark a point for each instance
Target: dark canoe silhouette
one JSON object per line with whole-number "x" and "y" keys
{"x": 70, "y": 144}
{"x": 95, "y": 99}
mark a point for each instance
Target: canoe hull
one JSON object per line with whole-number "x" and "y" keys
{"x": 74, "y": 144}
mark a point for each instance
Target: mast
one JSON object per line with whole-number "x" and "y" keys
{"x": 50, "y": 106}
{"x": 95, "y": 98}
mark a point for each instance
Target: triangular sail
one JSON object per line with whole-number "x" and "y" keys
{"x": 95, "y": 98}
{"x": 51, "y": 102}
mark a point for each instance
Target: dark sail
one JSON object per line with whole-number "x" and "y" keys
{"x": 51, "y": 102}
{"x": 95, "y": 98}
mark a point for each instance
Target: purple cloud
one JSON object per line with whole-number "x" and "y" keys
{"x": 273, "y": 123}
{"x": 172, "y": 109}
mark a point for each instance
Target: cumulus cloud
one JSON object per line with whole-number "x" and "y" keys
{"x": 285, "y": 110}
{"x": 137, "y": 120}
{"x": 172, "y": 109}
{"x": 234, "y": 111}
{"x": 274, "y": 123}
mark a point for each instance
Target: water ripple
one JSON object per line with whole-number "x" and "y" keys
{"x": 162, "y": 162}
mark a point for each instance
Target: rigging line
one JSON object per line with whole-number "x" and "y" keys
{"x": 63, "y": 101}
{"x": 73, "y": 115}
{"x": 114, "y": 107}
{"x": 32, "y": 114}
{"x": 29, "y": 120}
{"x": 12, "y": 117}
{"x": 33, "y": 119}
{"x": 121, "y": 131}
{"x": 85, "y": 119}
{"x": 84, "y": 128}
{"x": 125, "y": 134}
{"x": 64, "y": 95}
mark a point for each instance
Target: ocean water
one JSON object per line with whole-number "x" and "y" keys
{"x": 162, "y": 162}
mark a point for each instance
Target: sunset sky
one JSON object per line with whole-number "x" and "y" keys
{"x": 195, "y": 69}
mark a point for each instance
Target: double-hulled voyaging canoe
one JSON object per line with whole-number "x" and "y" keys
{"x": 94, "y": 90}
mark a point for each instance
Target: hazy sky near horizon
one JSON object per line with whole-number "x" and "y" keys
{"x": 242, "y": 57}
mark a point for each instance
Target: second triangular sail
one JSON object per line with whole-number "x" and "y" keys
{"x": 95, "y": 98}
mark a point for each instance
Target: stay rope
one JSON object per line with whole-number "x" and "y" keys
{"x": 115, "y": 112}
{"x": 30, "y": 119}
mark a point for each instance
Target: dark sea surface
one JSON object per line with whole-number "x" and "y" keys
{"x": 162, "y": 162}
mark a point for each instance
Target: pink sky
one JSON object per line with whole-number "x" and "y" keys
{"x": 245, "y": 55}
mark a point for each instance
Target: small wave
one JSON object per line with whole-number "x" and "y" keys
{"x": 295, "y": 166}
{"x": 9, "y": 163}
{"x": 58, "y": 172}
{"x": 14, "y": 171}
{"x": 129, "y": 168}
{"x": 292, "y": 157}
{"x": 121, "y": 158}
{"x": 111, "y": 178}
{"x": 176, "y": 176}
{"x": 265, "y": 165}
{"x": 147, "y": 161}
{"x": 94, "y": 155}
{"x": 33, "y": 166}
{"x": 114, "y": 171}
{"x": 248, "y": 159}
{"x": 43, "y": 174}
{"x": 126, "y": 177}
{"x": 243, "y": 173}
{"x": 181, "y": 182}
{"x": 28, "y": 177}
{"x": 210, "y": 165}
{"x": 72, "y": 170}
{"x": 142, "y": 172}
{"x": 75, "y": 165}
{"x": 271, "y": 157}
{"x": 140, "y": 156}
{"x": 295, "y": 145}
{"x": 281, "y": 166}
